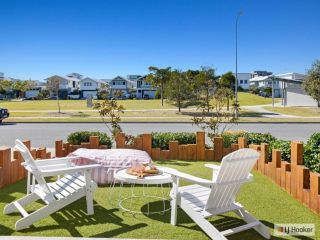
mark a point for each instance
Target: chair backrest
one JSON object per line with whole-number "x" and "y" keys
{"x": 31, "y": 167}
{"x": 234, "y": 171}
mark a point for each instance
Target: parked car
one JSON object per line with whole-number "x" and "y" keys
{"x": 4, "y": 113}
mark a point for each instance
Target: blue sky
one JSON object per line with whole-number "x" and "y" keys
{"x": 117, "y": 37}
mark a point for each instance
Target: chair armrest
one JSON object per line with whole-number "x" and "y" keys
{"x": 189, "y": 177}
{"x": 54, "y": 161}
{"x": 68, "y": 170}
{"x": 213, "y": 166}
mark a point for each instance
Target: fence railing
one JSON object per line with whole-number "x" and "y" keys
{"x": 293, "y": 176}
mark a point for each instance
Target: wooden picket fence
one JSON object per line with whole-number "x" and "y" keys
{"x": 11, "y": 169}
{"x": 292, "y": 177}
{"x": 63, "y": 149}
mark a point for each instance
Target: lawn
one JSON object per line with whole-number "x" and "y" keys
{"x": 246, "y": 99}
{"x": 249, "y": 99}
{"x": 262, "y": 198}
{"x": 296, "y": 111}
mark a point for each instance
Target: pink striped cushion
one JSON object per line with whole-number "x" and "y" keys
{"x": 110, "y": 160}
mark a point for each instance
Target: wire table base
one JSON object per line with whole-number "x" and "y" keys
{"x": 153, "y": 195}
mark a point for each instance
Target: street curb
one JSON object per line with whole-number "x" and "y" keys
{"x": 143, "y": 122}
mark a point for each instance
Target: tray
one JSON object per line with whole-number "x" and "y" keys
{"x": 141, "y": 175}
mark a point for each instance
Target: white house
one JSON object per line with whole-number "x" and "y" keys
{"x": 122, "y": 84}
{"x": 144, "y": 89}
{"x": 243, "y": 80}
{"x": 279, "y": 82}
{"x": 90, "y": 86}
{"x": 67, "y": 84}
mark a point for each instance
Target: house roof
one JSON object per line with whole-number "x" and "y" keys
{"x": 63, "y": 77}
{"x": 93, "y": 79}
{"x": 274, "y": 77}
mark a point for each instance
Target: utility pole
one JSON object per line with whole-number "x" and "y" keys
{"x": 236, "y": 83}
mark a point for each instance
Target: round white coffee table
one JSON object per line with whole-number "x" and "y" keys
{"x": 122, "y": 177}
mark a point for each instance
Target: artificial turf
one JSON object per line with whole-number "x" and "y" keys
{"x": 265, "y": 200}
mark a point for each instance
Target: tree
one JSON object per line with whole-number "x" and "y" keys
{"x": 227, "y": 81}
{"x": 20, "y": 87}
{"x": 213, "y": 122}
{"x": 158, "y": 78}
{"x": 178, "y": 87}
{"x": 312, "y": 81}
{"x": 268, "y": 91}
{"x": 5, "y": 86}
{"x": 205, "y": 83}
{"x": 112, "y": 110}
{"x": 53, "y": 85}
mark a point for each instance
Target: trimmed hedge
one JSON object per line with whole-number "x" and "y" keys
{"x": 284, "y": 146}
{"x": 161, "y": 139}
{"x": 77, "y": 138}
{"x": 312, "y": 153}
{"x": 252, "y": 138}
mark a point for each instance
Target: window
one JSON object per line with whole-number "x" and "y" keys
{"x": 123, "y": 83}
{"x": 113, "y": 83}
{"x": 241, "y": 81}
{"x": 246, "y": 81}
{"x": 74, "y": 84}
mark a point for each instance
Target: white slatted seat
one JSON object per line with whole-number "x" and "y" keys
{"x": 208, "y": 198}
{"x": 75, "y": 184}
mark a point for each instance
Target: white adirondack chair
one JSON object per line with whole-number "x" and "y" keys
{"x": 209, "y": 198}
{"x": 75, "y": 184}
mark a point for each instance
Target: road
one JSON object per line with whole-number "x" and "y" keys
{"x": 45, "y": 134}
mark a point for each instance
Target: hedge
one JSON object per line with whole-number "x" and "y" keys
{"x": 77, "y": 138}
{"x": 161, "y": 139}
{"x": 252, "y": 138}
{"x": 312, "y": 153}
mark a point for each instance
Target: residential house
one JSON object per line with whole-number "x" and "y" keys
{"x": 294, "y": 93}
{"x": 66, "y": 84}
{"x": 144, "y": 89}
{"x": 1, "y": 75}
{"x": 90, "y": 87}
{"x": 123, "y": 85}
{"x": 278, "y": 82}
{"x": 243, "y": 80}
{"x": 35, "y": 90}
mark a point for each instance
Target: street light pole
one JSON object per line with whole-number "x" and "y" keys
{"x": 236, "y": 83}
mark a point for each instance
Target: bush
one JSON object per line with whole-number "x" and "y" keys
{"x": 231, "y": 137}
{"x": 77, "y": 138}
{"x": 162, "y": 139}
{"x": 312, "y": 153}
{"x": 284, "y": 146}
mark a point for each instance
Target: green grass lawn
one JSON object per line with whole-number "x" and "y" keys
{"x": 265, "y": 200}
{"x": 249, "y": 99}
{"x": 296, "y": 111}
{"x": 246, "y": 99}
{"x": 79, "y": 105}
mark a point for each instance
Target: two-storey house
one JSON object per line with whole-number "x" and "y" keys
{"x": 63, "y": 84}
{"x": 121, "y": 84}
{"x": 144, "y": 89}
{"x": 90, "y": 87}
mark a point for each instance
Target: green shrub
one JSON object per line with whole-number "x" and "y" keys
{"x": 231, "y": 137}
{"x": 258, "y": 138}
{"x": 77, "y": 138}
{"x": 312, "y": 153}
{"x": 284, "y": 146}
{"x": 162, "y": 139}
